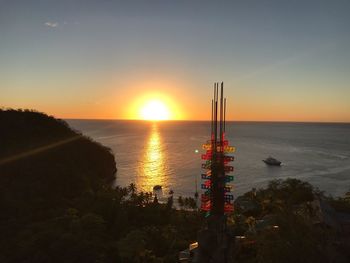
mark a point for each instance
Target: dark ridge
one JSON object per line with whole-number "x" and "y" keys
{"x": 42, "y": 157}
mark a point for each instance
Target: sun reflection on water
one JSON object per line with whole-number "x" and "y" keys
{"x": 153, "y": 166}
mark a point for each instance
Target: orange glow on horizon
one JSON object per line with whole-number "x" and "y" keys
{"x": 178, "y": 100}
{"x": 154, "y": 107}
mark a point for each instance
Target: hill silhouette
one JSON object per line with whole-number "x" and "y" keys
{"x": 58, "y": 204}
{"x": 43, "y": 156}
{"x": 44, "y": 167}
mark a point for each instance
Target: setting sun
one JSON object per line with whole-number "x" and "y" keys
{"x": 154, "y": 106}
{"x": 155, "y": 110}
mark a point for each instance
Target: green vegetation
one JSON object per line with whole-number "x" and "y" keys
{"x": 57, "y": 203}
{"x": 341, "y": 204}
{"x": 187, "y": 202}
{"x": 289, "y": 221}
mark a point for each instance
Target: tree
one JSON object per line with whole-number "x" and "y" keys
{"x": 180, "y": 201}
{"x": 132, "y": 189}
{"x": 131, "y": 248}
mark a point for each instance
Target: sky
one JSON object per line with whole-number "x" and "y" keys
{"x": 279, "y": 60}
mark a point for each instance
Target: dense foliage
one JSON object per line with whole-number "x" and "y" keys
{"x": 289, "y": 221}
{"x": 57, "y": 203}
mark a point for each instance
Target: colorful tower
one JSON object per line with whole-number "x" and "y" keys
{"x": 215, "y": 241}
{"x": 217, "y": 198}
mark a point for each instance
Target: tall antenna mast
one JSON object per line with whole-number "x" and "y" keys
{"x": 217, "y": 199}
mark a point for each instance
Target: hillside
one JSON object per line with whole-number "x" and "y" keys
{"x": 57, "y": 202}
{"x": 44, "y": 167}
{"x": 43, "y": 156}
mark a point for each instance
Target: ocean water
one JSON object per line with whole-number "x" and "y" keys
{"x": 164, "y": 153}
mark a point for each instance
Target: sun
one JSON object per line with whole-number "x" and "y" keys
{"x": 154, "y": 106}
{"x": 155, "y": 110}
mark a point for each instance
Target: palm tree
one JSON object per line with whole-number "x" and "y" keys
{"x": 121, "y": 192}
{"x": 132, "y": 188}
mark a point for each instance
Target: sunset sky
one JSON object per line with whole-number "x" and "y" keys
{"x": 279, "y": 60}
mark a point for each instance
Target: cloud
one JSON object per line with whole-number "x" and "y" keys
{"x": 51, "y": 24}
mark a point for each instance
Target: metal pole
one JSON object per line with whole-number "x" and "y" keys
{"x": 213, "y": 112}
{"x": 225, "y": 115}
{"x": 221, "y": 114}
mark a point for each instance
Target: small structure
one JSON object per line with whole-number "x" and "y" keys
{"x": 157, "y": 187}
{"x": 189, "y": 255}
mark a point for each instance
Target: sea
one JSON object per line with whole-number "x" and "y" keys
{"x": 168, "y": 153}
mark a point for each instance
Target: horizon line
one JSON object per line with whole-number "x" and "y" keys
{"x": 262, "y": 121}
{"x": 174, "y": 120}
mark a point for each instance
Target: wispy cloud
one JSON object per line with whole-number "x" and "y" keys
{"x": 51, "y": 24}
